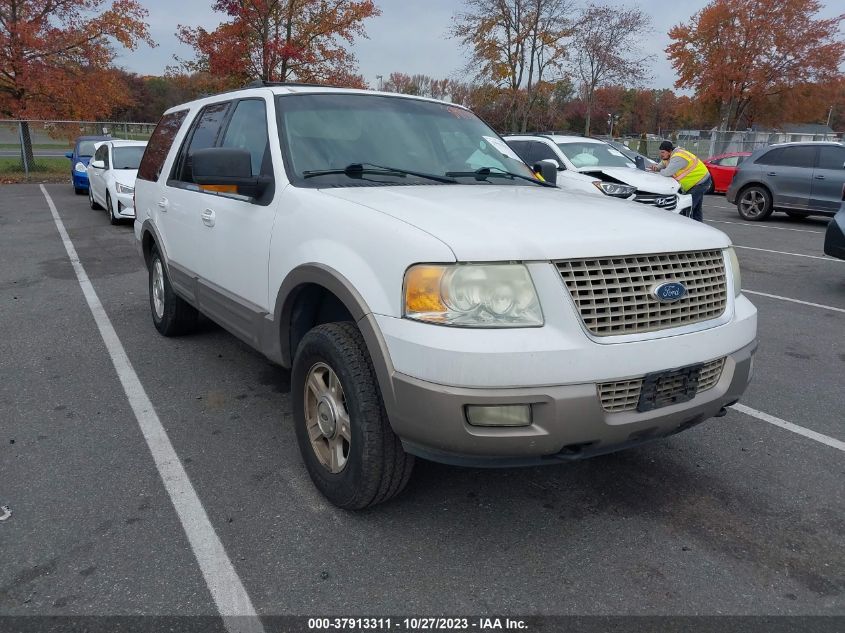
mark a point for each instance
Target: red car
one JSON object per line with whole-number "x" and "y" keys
{"x": 722, "y": 169}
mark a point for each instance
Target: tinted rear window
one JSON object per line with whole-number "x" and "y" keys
{"x": 831, "y": 157}
{"x": 793, "y": 156}
{"x": 159, "y": 145}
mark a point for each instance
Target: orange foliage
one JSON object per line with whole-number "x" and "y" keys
{"x": 743, "y": 55}
{"x": 281, "y": 40}
{"x": 56, "y": 55}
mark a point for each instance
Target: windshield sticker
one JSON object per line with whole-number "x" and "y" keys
{"x": 503, "y": 147}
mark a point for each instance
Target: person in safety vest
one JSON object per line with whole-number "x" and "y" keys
{"x": 688, "y": 170}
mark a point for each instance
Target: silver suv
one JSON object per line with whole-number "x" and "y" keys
{"x": 799, "y": 179}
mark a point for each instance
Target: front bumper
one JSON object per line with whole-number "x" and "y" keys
{"x": 124, "y": 206}
{"x": 568, "y": 421}
{"x": 80, "y": 180}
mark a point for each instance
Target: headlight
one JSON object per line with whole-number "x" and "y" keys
{"x": 737, "y": 278}
{"x": 472, "y": 295}
{"x": 124, "y": 189}
{"x": 614, "y": 189}
{"x": 80, "y": 167}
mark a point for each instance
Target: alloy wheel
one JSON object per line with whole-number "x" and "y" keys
{"x": 158, "y": 289}
{"x": 753, "y": 203}
{"x": 327, "y": 418}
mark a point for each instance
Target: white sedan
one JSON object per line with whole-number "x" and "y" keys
{"x": 111, "y": 177}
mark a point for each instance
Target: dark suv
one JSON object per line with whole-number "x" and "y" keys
{"x": 800, "y": 179}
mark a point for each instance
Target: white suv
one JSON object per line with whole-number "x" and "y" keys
{"x": 438, "y": 302}
{"x": 593, "y": 166}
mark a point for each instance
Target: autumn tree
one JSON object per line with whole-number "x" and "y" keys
{"x": 281, "y": 40}
{"x": 738, "y": 54}
{"x": 515, "y": 44}
{"x": 56, "y": 56}
{"x": 607, "y": 49}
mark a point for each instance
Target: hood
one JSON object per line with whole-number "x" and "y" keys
{"x": 642, "y": 180}
{"x": 125, "y": 177}
{"x": 500, "y": 223}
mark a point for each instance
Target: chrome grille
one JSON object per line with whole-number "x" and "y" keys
{"x": 613, "y": 294}
{"x": 624, "y": 395}
{"x": 669, "y": 201}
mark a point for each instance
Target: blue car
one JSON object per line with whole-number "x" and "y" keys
{"x": 83, "y": 150}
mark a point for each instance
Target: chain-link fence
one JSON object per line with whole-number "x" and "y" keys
{"x": 706, "y": 143}
{"x": 39, "y": 147}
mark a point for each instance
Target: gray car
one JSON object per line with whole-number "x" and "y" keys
{"x": 799, "y": 179}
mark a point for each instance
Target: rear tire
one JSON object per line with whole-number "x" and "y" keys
{"x": 754, "y": 203}
{"x": 172, "y": 315}
{"x": 349, "y": 449}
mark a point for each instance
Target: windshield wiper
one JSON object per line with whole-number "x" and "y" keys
{"x": 356, "y": 170}
{"x": 485, "y": 172}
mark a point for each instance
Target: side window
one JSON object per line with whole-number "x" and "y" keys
{"x": 98, "y": 155}
{"x": 771, "y": 157}
{"x": 106, "y": 160}
{"x": 730, "y": 161}
{"x": 247, "y": 130}
{"x": 541, "y": 151}
{"x": 522, "y": 149}
{"x": 159, "y": 145}
{"x": 831, "y": 157}
{"x": 798, "y": 156}
{"x": 203, "y": 135}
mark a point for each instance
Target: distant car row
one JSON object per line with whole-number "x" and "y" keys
{"x": 106, "y": 168}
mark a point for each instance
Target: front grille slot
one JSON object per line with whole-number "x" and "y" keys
{"x": 624, "y": 395}
{"x": 669, "y": 201}
{"x": 613, "y": 294}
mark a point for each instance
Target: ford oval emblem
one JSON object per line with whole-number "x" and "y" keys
{"x": 669, "y": 292}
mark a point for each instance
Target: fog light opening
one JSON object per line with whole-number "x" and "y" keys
{"x": 499, "y": 415}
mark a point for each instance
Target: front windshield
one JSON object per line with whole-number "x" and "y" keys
{"x": 86, "y": 148}
{"x": 594, "y": 155}
{"x": 127, "y": 157}
{"x": 332, "y": 131}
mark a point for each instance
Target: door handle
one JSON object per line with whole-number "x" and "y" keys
{"x": 208, "y": 217}
{"x": 819, "y": 177}
{"x": 163, "y": 204}
{"x": 771, "y": 173}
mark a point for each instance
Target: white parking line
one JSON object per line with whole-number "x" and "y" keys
{"x": 223, "y": 582}
{"x": 789, "y": 426}
{"x": 806, "y": 303}
{"x": 765, "y": 226}
{"x": 766, "y": 250}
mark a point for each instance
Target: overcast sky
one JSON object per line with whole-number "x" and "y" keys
{"x": 409, "y": 36}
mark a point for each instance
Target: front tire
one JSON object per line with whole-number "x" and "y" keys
{"x": 172, "y": 315}
{"x": 94, "y": 205}
{"x": 349, "y": 449}
{"x": 110, "y": 210}
{"x": 754, "y": 204}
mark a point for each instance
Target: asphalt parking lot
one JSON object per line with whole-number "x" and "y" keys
{"x": 738, "y": 516}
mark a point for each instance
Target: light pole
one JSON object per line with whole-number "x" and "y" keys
{"x": 829, "y": 112}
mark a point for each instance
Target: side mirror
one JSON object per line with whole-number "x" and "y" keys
{"x": 548, "y": 170}
{"x": 639, "y": 161}
{"x": 98, "y": 164}
{"x": 227, "y": 170}
{"x": 69, "y": 155}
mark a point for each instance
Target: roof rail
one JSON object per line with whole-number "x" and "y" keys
{"x": 262, "y": 83}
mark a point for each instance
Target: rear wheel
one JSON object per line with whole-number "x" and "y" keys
{"x": 344, "y": 436}
{"x": 754, "y": 204}
{"x": 172, "y": 315}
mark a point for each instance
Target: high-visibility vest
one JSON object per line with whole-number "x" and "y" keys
{"x": 693, "y": 173}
